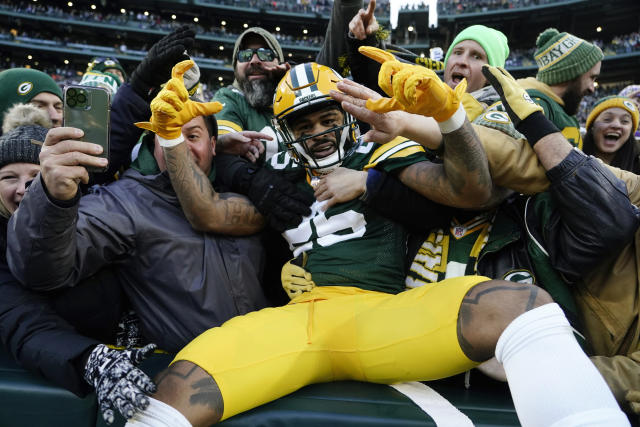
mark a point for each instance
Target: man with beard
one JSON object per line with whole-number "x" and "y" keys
{"x": 258, "y": 64}
{"x": 568, "y": 67}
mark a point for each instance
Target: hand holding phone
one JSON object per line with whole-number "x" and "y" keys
{"x": 65, "y": 159}
{"x": 88, "y": 108}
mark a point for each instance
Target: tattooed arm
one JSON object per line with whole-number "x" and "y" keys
{"x": 462, "y": 180}
{"x": 205, "y": 209}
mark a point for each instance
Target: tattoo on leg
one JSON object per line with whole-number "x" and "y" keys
{"x": 207, "y": 393}
{"x": 475, "y": 300}
{"x": 532, "y": 298}
{"x": 172, "y": 371}
{"x": 464, "y": 319}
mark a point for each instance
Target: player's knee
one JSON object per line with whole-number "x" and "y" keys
{"x": 488, "y": 308}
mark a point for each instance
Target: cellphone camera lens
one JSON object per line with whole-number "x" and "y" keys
{"x": 71, "y": 102}
{"x": 82, "y": 98}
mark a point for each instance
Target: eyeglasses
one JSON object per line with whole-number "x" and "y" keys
{"x": 264, "y": 54}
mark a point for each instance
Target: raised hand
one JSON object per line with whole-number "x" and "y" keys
{"x": 172, "y": 108}
{"x": 364, "y": 23}
{"x": 63, "y": 159}
{"x": 155, "y": 68}
{"x": 413, "y": 88}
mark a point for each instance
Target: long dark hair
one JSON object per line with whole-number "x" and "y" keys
{"x": 625, "y": 158}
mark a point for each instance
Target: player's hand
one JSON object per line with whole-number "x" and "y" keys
{"x": 172, "y": 108}
{"x": 63, "y": 159}
{"x": 247, "y": 144}
{"x": 118, "y": 382}
{"x": 633, "y": 399}
{"x": 413, "y": 88}
{"x": 515, "y": 99}
{"x": 295, "y": 279}
{"x": 340, "y": 186}
{"x": 364, "y": 23}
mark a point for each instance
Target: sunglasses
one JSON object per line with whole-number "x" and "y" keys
{"x": 264, "y": 54}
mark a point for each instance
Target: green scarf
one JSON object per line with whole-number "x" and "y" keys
{"x": 146, "y": 164}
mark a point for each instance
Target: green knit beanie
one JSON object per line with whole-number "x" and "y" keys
{"x": 562, "y": 57}
{"x": 102, "y": 64}
{"x": 21, "y": 85}
{"x": 494, "y": 43}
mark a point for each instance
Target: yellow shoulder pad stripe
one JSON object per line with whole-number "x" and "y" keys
{"x": 398, "y": 147}
{"x": 225, "y": 126}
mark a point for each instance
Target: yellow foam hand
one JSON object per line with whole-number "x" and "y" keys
{"x": 172, "y": 108}
{"x": 412, "y": 88}
{"x": 426, "y": 94}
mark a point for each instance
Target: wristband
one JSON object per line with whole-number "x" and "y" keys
{"x": 167, "y": 143}
{"x": 454, "y": 122}
{"x": 535, "y": 127}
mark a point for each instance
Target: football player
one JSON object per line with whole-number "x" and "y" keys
{"x": 357, "y": 323}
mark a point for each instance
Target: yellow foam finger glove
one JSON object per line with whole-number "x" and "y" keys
{"x": 417, "y": 90}
{"x": 172, "y": 108}
{"x": 390, "y": 67}
{"x": 295, "y": 279}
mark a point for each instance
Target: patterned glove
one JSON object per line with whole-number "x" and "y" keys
{"x": 526, "y": 115}
{"x": 172, "y": 108}
{"x": 118, "y": 382}
{"x": 155, "y": 68}
{"x": 416, "y": 90}
{"x": 295, "y": 279}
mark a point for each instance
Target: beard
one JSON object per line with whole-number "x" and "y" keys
{"x": 259, "y": 93}
{"x": 572, "y": 98}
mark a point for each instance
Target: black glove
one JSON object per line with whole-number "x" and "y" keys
{"x": 274, "y": 194}
{"x": 128, "y": 333}
{"x": 155, "y": 68}
{"x": 118, "y": 382}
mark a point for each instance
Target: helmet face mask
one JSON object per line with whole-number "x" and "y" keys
{"x": 305, "y": 90}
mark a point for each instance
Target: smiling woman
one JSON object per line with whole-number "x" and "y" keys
{"x": 610, "y": 133}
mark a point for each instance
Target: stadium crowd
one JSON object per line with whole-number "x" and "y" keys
{"x": 436, "y": 214}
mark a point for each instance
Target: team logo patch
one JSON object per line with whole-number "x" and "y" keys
{"x": 629, "y": 105}
{"x": 520, "y": 276}
{"x": 109, "y": 63}
{"x": 24, "y": 88}
{"x": 497, "y": 116}
{"x": 459, "y": 231}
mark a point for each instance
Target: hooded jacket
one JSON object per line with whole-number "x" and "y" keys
{"x": 180, "y": 282}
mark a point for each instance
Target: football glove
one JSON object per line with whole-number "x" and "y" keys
{"x": 118, "y": 382}
{"x": 526, "y": 115}
{"x": 172, "y": 108}
{"x": 295, "y": 279}
{"x": 155, "y": 68}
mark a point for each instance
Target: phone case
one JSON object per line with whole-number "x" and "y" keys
{"x": 88, "y": 108}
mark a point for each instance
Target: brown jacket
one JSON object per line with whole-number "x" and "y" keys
{"x": 607, "y": 298}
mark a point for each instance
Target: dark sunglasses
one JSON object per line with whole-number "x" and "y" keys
{"x": 264, "y": 54}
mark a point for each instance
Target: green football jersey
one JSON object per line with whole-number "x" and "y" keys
{"x": 237, "y": 115}
{"x": 348, "y": 244}
{"x": 450, "y": 253}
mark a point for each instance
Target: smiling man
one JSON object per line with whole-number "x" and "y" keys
{"x": 258, "y": 64}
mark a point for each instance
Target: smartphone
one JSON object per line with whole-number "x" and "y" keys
{"x": 88, "y": 108}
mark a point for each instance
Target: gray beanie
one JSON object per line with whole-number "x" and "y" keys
{"x": 24, "y": 137}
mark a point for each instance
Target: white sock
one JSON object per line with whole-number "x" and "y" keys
{"x": 552, "y": 381}
{"x": 158, "y": 414}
